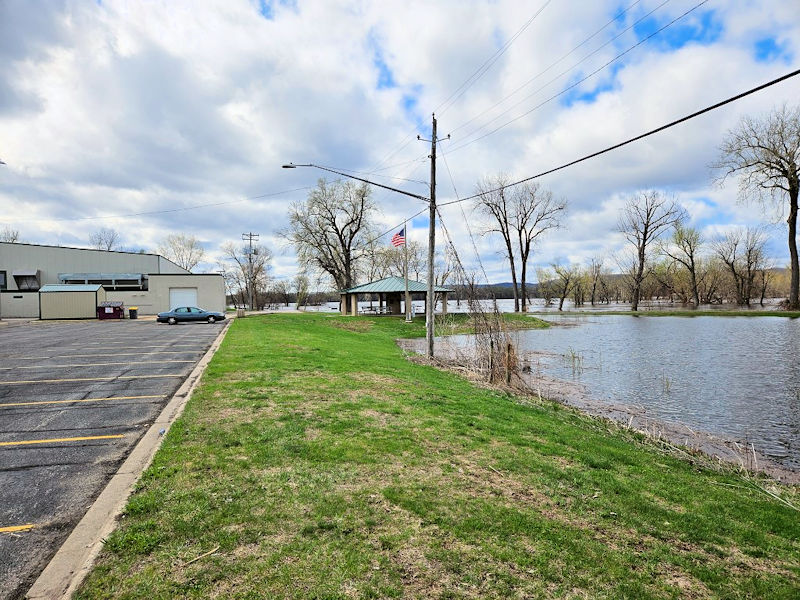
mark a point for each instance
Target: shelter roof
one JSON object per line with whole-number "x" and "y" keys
{"x": 391, "y": 285}
{"x": 55, "y": 287}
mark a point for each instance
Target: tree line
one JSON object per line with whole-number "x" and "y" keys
{"x": 333, "y": 232}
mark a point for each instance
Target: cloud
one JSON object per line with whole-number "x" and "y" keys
{"x": 119, "y": 108}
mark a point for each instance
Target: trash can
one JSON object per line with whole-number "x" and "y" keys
{"x": 110, "y": 309}
{"x": 240, "y": 312}
{"x": 133, "y": 312}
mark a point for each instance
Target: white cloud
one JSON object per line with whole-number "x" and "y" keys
{"x": 121, "y": 107}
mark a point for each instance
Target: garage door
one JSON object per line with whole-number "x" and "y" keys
{"x": 182, "y": 297}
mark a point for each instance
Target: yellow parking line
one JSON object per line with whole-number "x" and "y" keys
{"x": 106, "y": 354}
{"x": 30, "y": 381}
{"x": 107, "y": 364}
{"x": 73, "y": 439}
{"x": 14, "y": 528}
{"x": 128, "y": 353}
{"x": 80, "y": 400}
{"x": 108, "y": 346}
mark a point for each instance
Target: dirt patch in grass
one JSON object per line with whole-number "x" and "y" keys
{"x": 689, "y": 587}
{"x": 381, "y": 419}
{"x": 357, "y": 326}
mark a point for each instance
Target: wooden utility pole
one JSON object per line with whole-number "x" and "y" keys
{"x": 431, "y": 297}
{"x": 409, "y": 314}
{"x": 251, "y": 284}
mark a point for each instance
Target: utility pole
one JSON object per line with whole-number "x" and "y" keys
{"x": 431, "y": 296}
{"x": 430, "y": 302}
{"x": 251, "y": 284}
{"x": 409, "y": 314}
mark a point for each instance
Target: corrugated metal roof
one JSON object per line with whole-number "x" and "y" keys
{"x": 391, "y": 285}
{"x": 55, "y": 287}
{"x": 103, "y": 276}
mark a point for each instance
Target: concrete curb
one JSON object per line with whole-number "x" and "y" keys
{"x": 73, "y": 561}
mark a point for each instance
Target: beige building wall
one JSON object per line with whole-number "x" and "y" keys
{"x": 52, "y": 260}
{"x": 15, "y": 305}
{"x": 141, "y": 300}
{"x": 70, "y": 305}
{"x": 210, "y": 293}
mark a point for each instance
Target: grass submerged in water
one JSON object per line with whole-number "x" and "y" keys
{"x": 323, "y": 464}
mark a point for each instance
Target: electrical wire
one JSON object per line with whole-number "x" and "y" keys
{"x": 553, "y": 64}
{"x": 372, "y": 173}
{"x": 638, "y": 137}
{"x": 165, "y": 211}
{"x": 463, "y": 214}
{"x": 481, "y": 71}
{"x": 609, "y": 148}
{"x": 572, "y": 86}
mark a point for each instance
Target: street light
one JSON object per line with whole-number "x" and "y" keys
{"x": 386, "y": 187}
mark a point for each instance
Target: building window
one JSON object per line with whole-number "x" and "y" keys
{"x": 3, "y": 281}
{"x": 27, "y": 283}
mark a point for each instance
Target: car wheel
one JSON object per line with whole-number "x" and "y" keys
{"x": 212, "y": 319}
{"x": 172, "y": 320}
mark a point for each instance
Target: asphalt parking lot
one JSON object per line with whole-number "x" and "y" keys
{"x": 75, "y": 397}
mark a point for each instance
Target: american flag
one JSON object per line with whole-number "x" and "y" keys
{"x": 399, "y": 238}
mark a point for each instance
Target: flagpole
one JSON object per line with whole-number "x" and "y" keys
{"x": 405, "y": 271}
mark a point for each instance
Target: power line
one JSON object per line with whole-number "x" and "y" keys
{"x": 481, "y": 71}
{"x": 466, "y": 221}
{"x": 574, "y": 85}
{"x": 487, "y": 64}
{"x": 159, "y": 212}
{"x": 605, "y": 150}
{"x": 375, "y": 174}
{"x": 553, "y": 64}
{"x": 638, "y": 137}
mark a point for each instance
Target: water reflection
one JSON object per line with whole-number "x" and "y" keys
{"x": 733, "y": 376}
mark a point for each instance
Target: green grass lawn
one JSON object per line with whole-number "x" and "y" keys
{"x": 323, "y": 464}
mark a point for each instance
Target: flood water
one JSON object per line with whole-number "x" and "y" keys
{"x": 736, "y": 377}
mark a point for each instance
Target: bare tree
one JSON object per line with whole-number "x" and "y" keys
{"x": 743, "y": 253}
{"x": 282, "y": 290}
{"x": 765, "y": 154}
{"x": 520, "y": 215}
{"x": 9, "y": 235}
{"x": 330, "y": 229}
{"x": 105, "y": 239}
{"x": 300, "y": 284}
{"x": 391, "y": 260}
{"x": 184, "y": 250}
{"x": 644, "y": 219}
{"x": 250, "y": 272}
{"x": 545, "y": 286}
{"x": 595, "y": 270}
{"x": 684, "y": 247}
{"x": 564, "y": 281}
{"x": 535, "y": 212}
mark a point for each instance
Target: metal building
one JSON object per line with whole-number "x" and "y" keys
{"x": 70, "y": 301}
{"x": 148, "y": 281}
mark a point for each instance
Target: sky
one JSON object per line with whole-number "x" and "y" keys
{"x": 154, "y": 117}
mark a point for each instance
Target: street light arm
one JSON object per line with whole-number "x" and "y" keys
{"x": 386, "y": 187}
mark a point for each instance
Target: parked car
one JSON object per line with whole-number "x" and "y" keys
{"x": 189, "y": 313}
